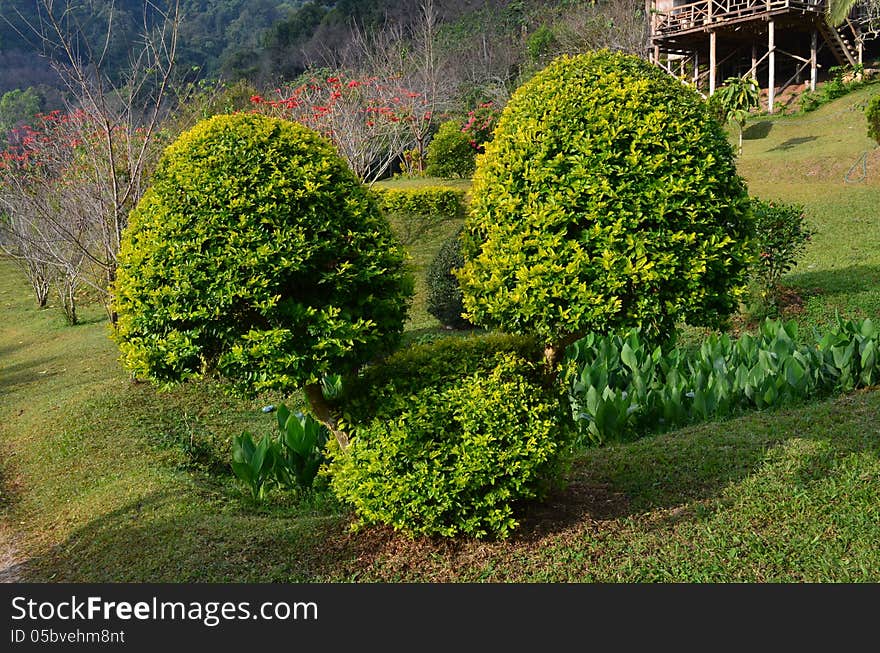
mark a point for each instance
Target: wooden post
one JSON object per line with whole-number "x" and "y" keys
{"x": 771, "y": 63}
{"x": 755, "y": 61}
{"x": 696, "y": 67}
{"x": 814, "y": 48}
{"x": 712, "y": 62}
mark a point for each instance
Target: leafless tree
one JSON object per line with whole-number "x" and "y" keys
{"x": 119, "y": 119}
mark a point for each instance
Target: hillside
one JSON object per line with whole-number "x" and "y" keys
{"x": 107, "y": 480}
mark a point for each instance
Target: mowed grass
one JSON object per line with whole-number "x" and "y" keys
{"x": 107, "y": 480}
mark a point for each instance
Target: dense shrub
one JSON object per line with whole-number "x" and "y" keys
{"x": 480, "y": 125}
{"x": 621, "y": 388}
{"x": 256, "y": 253}
{"x": 457, "y": 460}
{"x": 872, "y": 114}
{"x": 444, "y": 293}
{"x": 607, "y": 199}
{"x": 382, "y": 390}
{"x": 781, "y": 237}
{"x": 843, "y": 80}
{"x": 415, "y": 212}
{"x": 450, "y": 153}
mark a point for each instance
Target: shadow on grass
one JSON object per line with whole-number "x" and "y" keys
{"x": 792, "y": 143}
{"x": 24, "y": 373}
{"x": 202, "y": 535}
{"x": 757, "y": 131}
{"x": 848, "y": 280}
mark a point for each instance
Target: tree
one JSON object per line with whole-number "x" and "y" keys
{"x": 735, "y": 100}
{"x": 17, "y": 107}
{"x": 112, "y": 143}
{"x": 257, "y": 255}
{"x": 365, "y": 117}
{"x": 608, "y": 199}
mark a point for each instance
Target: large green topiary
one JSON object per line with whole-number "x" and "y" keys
{"x": 608, "y": 199}
{"x": 257, "y": 253}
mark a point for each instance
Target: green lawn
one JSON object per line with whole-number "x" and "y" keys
{"x": 107, "y": 480}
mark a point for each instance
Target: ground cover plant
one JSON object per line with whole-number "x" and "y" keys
{"x": 777, "y": 495}
{"x": 620, "y": 388}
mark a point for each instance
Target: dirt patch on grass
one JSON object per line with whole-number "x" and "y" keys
{"x": 10, "y": 559}
{"x": 584, "y": 509}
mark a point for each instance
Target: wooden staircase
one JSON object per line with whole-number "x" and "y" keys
{"x": 842, "y": 48}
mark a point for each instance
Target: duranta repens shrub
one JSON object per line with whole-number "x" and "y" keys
{"x": 415, "y": 212}
{"x": 258, "y": 254}
{"x": 608, "y": 199}
{"x": 450, "y": 153}
{"x": 872, "y": 114}
{"x": 382, "y": 390}
{"x": 444, "y": 293}
{"x": 457, "y": 461}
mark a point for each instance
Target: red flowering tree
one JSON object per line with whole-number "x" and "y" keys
{"x": 60, "y": 214}
{"x": 371, "y": 121}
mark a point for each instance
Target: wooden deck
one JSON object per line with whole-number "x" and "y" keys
{"x": 700, "y": 16}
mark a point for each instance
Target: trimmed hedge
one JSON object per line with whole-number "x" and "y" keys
{"x": 416, "y": 211}
{"x": 381, "y": 391}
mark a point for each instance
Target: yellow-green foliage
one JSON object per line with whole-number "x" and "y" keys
{"x": 457, "y": 460}
{"x": 416, "y": 211}
{"x": 383, "y": 390}
{"x": 872, "y": 113}
{"x": 607, "y": 199}
{"x": 256, "y": 253}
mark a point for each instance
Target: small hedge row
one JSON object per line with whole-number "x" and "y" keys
{"x": 416, "y": 211}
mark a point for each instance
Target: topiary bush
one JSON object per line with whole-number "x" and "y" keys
{"x": 444, "y": 293}
{"x": 382, "y": 390}
{"x": 450, "y": 153}
{"x": 457, "y": 460}
{"x": 257, "y": 254}
{"x": 607, "y": 199}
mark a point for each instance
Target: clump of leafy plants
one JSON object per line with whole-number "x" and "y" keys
{"x": 620, "y": 387}
{"x": 290, "y": 459}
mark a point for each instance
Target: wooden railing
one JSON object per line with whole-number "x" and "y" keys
{"x": 705, "y": 12}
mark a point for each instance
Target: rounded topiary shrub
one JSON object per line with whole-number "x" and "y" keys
{"x": 607, "y": 199}
{"x": 444, "y": 293}
{"x": 256, "y": 253}
{"x": 382, "y": 390}
{"x": 450, "y": 153}
{"x": 458, "y": 460}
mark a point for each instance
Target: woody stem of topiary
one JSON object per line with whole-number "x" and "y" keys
{"x": 323, "y": 413}
{"x": 554, "y": 351}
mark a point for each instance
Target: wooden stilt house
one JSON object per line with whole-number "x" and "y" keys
{"x": 778, "y": 42}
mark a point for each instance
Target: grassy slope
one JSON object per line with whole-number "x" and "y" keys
{"x": 788, "y": 495}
